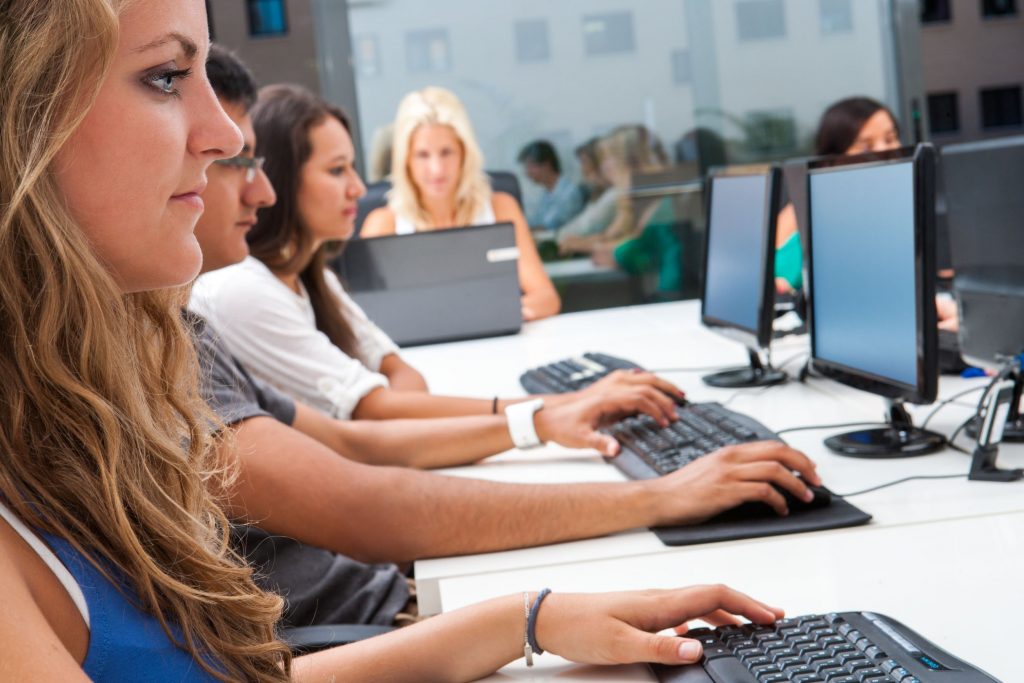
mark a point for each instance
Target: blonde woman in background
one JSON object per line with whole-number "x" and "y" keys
{"x": 439, "y": 182}
{"x": 627, "y": 150}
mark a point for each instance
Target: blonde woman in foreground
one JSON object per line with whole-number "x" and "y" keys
{"x": 113, "y": 556}
{"x": 439, "y": 182}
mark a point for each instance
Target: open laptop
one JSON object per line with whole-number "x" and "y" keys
{"x": 437, "y": 286}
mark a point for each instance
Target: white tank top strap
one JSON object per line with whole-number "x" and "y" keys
{"x": 403, "y": 226}
{"x": 485, "y": 216}
{"x": 51, "y": 560}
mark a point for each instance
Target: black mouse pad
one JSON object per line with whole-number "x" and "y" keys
{"x": 732, "y": 527}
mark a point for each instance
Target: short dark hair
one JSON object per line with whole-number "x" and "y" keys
{"x": 230, "y": 77}
{"x": 540, "y": 152}
{"x": 841, "y": 123}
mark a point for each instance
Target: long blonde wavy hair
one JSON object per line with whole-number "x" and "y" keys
{"x": 436, "y": 106}
{"x": 103, "y": 436}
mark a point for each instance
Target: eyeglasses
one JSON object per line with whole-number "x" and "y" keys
{"x": 252, "y": 165}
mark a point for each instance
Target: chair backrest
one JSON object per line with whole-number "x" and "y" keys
{"x": 376, "y": 195}
{"x": 504, "y": 181}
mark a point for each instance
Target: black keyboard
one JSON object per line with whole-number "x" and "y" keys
{"x": 572, "y": 374}
{"x": 648, "y": 450}
{"x": 848, "y": 647}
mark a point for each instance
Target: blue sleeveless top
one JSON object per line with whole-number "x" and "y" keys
{"x": 125, "y": 643}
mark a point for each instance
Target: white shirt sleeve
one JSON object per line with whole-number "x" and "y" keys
{"x": 373, "y": 342}
{"x": 273, "y": 333}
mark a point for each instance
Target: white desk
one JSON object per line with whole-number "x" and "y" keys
{"x": 952, "y": 582}
{"x": 668, "y": 336}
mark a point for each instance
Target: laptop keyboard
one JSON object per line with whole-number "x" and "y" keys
{"x": 648, "y": 449}
{"x": 849, "y": 647}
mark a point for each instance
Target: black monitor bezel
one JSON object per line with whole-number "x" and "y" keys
{"x": 923, "y": 159}
{"x": 758, "y": 338}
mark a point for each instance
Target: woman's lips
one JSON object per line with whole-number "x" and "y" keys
{"x": 190, "y": 199}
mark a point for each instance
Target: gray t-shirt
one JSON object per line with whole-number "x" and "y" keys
{"x": 319, "y": 586}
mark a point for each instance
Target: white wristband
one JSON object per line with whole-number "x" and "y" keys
{"x": 520, "y": 423}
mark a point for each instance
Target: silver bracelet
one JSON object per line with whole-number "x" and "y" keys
{"x": 527, "y": 650}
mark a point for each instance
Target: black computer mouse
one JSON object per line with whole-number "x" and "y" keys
{"x": 756, "y": 509}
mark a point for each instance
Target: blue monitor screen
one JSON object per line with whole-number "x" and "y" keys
{"x": 862, "y": 260}
{"x": 734, "y": 279}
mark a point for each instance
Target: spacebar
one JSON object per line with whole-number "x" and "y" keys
{"x": 728, "y": 670}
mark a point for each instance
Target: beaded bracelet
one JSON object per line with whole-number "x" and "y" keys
{"x": 530, "y": 646}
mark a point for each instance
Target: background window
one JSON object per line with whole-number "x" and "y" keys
{"x": 267, "y": 18}
{"x": 427, "y": 52}
{"x": 836, "y": 16}
{"x": 606, "y": 34}
{"x": 771, "y": 133}
{"x": 367, "y": 55}
{"x": 1001, "y": 107}
{"x": 760, "y": 19}
{"x": 935, "y": 10}
{"x": 998, "y": 8}
{"x": 532, "y": 44}
{"x": 682, "y": 68}
{"x": 943, "y": 113}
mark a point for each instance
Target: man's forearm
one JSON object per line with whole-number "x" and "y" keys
{"x": 293, "y": 485}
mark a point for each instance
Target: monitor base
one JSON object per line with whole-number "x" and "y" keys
{"x": 886, "y": 442}
{"x": 757, "y": 374}
{"x": 899, "y": 439}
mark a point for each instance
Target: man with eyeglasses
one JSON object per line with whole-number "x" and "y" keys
{"x": 293, "y": 478}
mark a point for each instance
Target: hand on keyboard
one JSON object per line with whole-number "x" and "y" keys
{"x": 620, "y": 628}
{"x": 575, "y": 421}
{"x": 632, "y": 378}
{"x": 733, "y": 475}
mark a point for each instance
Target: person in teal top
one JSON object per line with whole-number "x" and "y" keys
{"x": 851, "y": 126}
{"x": 106, "y": 138}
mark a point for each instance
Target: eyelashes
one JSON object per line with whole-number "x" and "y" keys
{"x": 164, "y": 80}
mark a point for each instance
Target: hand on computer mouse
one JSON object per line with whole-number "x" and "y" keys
{"x": 752, "y": 472}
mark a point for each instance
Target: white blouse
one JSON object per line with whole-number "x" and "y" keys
{"x": 272, "y": 331}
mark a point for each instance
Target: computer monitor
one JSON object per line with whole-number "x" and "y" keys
{"x": 738, "y": 292}
{"x": 985, "y": 203}
{"x": 873, "y": 324}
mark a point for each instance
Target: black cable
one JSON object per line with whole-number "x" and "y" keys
{"x": 945, "y": 402}
{"x": 901, "y": 481}
{"x": 832, "y": 426}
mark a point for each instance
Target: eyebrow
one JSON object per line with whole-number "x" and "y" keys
{"x": 187, "y": 44}
{"x": 340, "y": 157}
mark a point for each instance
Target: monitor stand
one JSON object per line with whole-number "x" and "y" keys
{"x": 1014, "y": 429}
{"x": 900, "y": 439}
{"x": 756, "y": 374}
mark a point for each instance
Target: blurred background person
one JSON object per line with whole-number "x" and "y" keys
{"x": 561, "y": 198}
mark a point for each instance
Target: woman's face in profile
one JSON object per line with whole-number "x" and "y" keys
{"x": 878, "y": 134}
{"x": 329, "y": 187}
{"x": 435, "y": 161}
{"x": 134, "y": 170}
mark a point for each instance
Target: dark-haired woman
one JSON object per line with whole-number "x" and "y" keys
{"x": 856, "y": 125}
{"x": 286, "y": 317}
